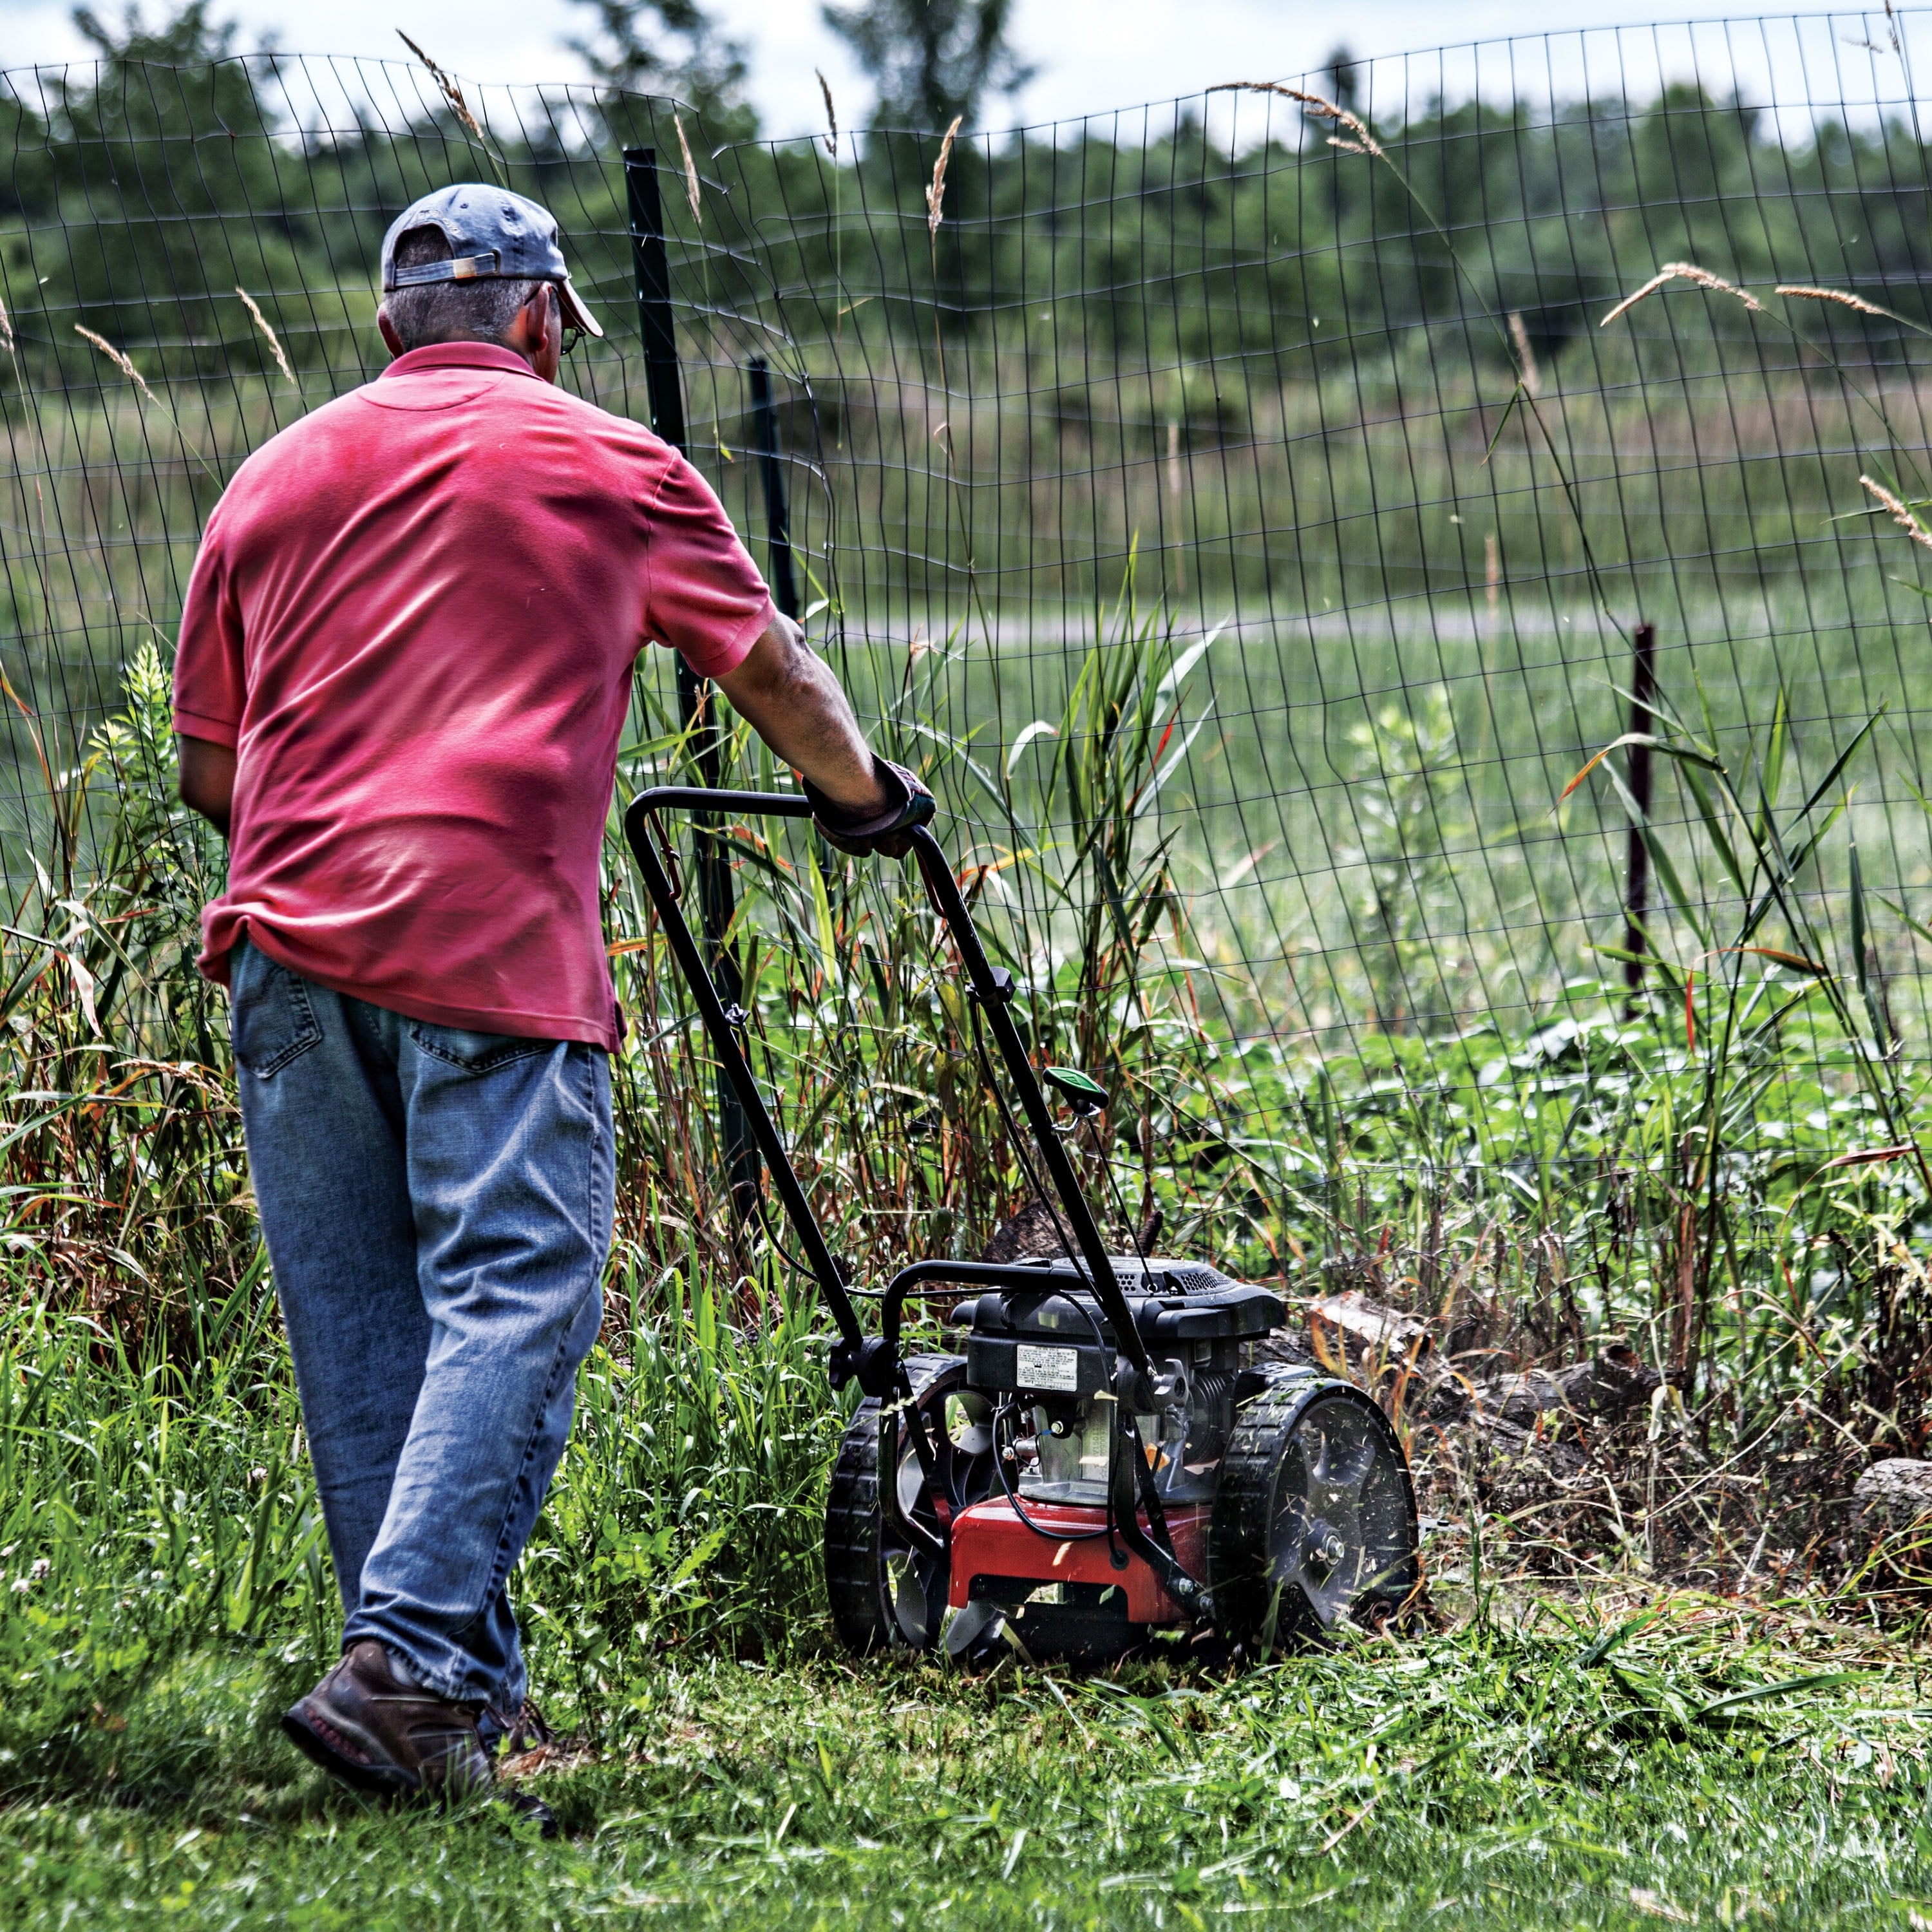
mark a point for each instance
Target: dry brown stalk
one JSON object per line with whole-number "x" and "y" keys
{"x": 691, "y": 190}
{"x": 1843, "y": 297}
{"x": 120, "y": 361}
{"x": 452, "y": 92}
{"x": 262, "y": 322}
{"x": 1532, "y": 376}
{"x": 126, "y": 367}
{"x": 1364, "y": 143}
{"x": 1690, "y": 272}
{"x": 6, "y": 328}
{"x": 1900, "y": 514}
{"x": 935, "y": 196}
{"x": 831, "y": 114}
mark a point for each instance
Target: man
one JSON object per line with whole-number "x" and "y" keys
{"x": 404, "y": 665}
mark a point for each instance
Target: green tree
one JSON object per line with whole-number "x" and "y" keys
{"x": 931, "y": 60}
{"x": 154, "y": 150}
{"x": 661, "y": 46}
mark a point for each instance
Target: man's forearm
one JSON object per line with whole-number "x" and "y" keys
{"x": 207, "y": 781}
{"x": 790, "y": 697}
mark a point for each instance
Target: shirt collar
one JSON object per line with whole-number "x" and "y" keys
{"x": 461, "y": 355}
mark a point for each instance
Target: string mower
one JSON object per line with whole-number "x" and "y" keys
{"x": 1111, "y": 1458}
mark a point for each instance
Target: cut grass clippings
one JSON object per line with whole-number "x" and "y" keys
{"x": 1713, "y": 1765}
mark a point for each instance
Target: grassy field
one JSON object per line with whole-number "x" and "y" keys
{"x": 1407, "y": 663}
{"x": 1605, "y": 1753}
{"x": 1497, "y": 1775}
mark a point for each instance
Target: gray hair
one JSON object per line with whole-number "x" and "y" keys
{"x": 481, "y": 311}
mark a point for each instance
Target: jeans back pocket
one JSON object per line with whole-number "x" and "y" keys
{"x": 272, "y": 1020}
{"x": 474, "y": 1052}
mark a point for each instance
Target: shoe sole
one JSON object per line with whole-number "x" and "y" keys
{"x": 377, "y": 1781}
{"x": 527, "y": 1806}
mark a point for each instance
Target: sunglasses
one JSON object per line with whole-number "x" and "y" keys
{"x": 572, "y": 335}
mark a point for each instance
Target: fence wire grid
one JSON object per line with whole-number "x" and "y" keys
{"x": 1306, "y": 395}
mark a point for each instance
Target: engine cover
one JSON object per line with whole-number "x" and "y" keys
{"x": 1046, "y": 1357}
{"x": 1057, "y": 1342}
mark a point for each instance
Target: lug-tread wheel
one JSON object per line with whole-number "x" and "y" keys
{"x": 886, "y": 1593}
{"x": 1315, "y": 1517}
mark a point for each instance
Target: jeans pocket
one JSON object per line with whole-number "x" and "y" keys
{"x": 272, "y": 1021}
{"x": 474, "y": 1052}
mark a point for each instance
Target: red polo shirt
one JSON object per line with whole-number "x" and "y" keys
{"x": 414, "y": 615}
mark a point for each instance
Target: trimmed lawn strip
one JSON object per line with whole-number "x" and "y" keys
{"x": 1613, "y": 1763}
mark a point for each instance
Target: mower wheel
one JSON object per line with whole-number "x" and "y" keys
{"x": 887, "y": 1591}
{"x": 1315, "y": 1517}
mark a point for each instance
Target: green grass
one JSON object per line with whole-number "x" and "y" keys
{"x": 1495, "y": 1774}
{"x": 1593, "y": 1756}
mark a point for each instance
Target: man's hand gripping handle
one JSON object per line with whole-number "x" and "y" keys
{"x": 887, "y": 831}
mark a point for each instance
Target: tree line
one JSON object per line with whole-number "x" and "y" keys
{"x": 137, "y": 194}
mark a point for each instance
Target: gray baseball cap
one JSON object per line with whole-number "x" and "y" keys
{"x": 493, "y": 233}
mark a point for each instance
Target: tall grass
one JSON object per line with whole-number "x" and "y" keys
{"x": 157, "y": 1518}
{"x": 1338, "y": 545}
{"x": 1265, "y": 809}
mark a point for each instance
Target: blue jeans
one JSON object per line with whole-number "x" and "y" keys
{"x": 437, "y": 1206}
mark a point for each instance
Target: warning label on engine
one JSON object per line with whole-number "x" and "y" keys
{"x": 1058, "y": 1369}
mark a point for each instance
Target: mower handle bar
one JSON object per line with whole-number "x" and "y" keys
{"x": 991, "y": 987}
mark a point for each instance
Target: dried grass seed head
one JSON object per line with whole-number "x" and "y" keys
{"x": 690, "y": 186}
{"x": 1532, "y": 376}
{"x": 452, "y": 92}
{"x": 831, "y": 114}
{"x": 1688, "y": 271}
{"x": 1364, "y": 141}
{"x": 1843, "y": 297}
{"x": 935, "y": 196}
{"x": 1901, "y": 514}
{"x": 120, "y": 360}
{"x": 261, "y": 322}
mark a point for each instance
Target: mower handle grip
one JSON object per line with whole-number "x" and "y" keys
{"x": 700, "y": 798}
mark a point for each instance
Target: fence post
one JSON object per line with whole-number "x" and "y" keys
{"x": 777, "y": 515}
{"x": 664, "y": 389}
{"x": 1636, "y": 893}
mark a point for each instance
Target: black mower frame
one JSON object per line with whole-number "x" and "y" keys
{"x": 873, "y": 1361}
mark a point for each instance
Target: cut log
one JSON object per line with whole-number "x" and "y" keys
{"x": 1367, "y": 1328}
{"x": 1031, "y": 1235}
{"x": 1614, "y": 1380}
{"x": 1517, "y": 1468}
{"x": 1898, "y": 1490}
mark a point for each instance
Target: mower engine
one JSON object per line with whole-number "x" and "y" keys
{"x": 1085, "y": 1510}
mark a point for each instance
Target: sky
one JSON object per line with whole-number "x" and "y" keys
{"x": 1090, "y": 54}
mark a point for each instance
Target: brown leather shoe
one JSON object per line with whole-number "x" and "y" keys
{"x": 361, "y": 1723}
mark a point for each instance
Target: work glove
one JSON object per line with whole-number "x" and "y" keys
{"x": 888, "y": 832}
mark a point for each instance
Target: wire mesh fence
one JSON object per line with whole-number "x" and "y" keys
{"x": 1290, "y": 424}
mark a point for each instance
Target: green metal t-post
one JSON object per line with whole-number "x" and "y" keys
{"x": 771, "y": 464}
{"x": 665, "y": 391}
